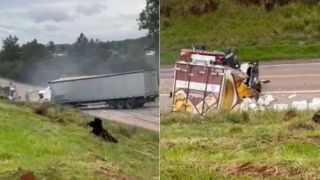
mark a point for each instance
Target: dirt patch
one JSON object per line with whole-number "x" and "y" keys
{"x": 302, "y": 125}
{"x": 223, "y": 142}
{"x": 290, "y": 115}
{"x": 286, "y": 137}
{"x": 194, "y": 7}
{"x": 41, "y": 109}
{"x": 283, "y": 138}
{"x": 204, "y": 7}
{"x": 311, "y": 139}
{"x": 267, "y": 171}
{"x": 249, "y": 168}
{"x": 168, "y": 143}
{"x": 110, "y": 174}
{"x": 27, "y": 176}
{"x": 314, "y": 138}
{"x": 102, "y": 170}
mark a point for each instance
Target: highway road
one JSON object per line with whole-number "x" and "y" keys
{"x": 297, "y": 79}
{"x": 146, "y": 117}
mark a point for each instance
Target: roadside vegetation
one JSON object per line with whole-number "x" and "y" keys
{"x": 240, "y": 145}
{"x": 261, "y": 30}
{"x": 54, "y": 142}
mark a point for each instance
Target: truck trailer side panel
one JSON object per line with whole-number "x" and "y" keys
{"x": 99, "y": 88}
{"x": 151, "y": 83}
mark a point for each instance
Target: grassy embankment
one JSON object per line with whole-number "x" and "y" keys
{"x": 261, "y": 145}
{"x": 54, "y": 142}
{"x": 286, "y": 32}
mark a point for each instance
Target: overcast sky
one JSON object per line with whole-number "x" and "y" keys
{"x": 63, "y": 20}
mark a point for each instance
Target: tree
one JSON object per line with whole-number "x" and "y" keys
{"x": 11, "y": 50}
{"x": 33, "y": 52}
{"x": 51, "y": 47}
{"x": 81, "y": 45}
{"x": 149, "y": 18}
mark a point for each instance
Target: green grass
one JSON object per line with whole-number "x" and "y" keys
{"x": 261, "y": 145}
{"x": 53, "y": 142}
{"x": 286, "y": 32}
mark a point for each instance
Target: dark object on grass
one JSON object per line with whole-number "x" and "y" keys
{"x": 27, "y": 176}
{"x": 290, "y": 115}
{"x": 316, "y": 117}
{"x": 268, "y": 6}
{"x": 98, "y": 130}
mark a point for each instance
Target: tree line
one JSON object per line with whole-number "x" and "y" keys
{"x": 33, "y": 62}
{"x": 37, "y": 63}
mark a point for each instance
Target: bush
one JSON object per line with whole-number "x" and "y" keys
{"x": 58, "y": 113}
{"x": 171, "y": 8}
{"x": 301, "y": 125}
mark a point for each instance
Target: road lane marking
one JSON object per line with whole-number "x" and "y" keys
{"x": 267, "y": 76}
{"x": 292, "y": 92}
{"x": 277, "y": 92}
{"x": 261, "y": 65}
{"x": 290, "y": 75}
{"x": 297, "y": 64}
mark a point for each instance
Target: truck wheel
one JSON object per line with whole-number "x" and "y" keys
{"x": 121, "y": 104}
{"x": 140, "y": 104}
{"x": 130, "y": 104}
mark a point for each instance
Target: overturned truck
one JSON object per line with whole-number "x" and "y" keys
{"x": 212, "y": 80}
{"x": 116, "y": 91}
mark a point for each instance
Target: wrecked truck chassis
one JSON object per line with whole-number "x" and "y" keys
{"x": 122, "y": 103}
{"x": 199, "y": 88}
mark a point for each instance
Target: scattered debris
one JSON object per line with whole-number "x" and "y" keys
{"x": 264, "y": 81}
{"x": 248, "y": 104}
{"x": 263, "y": 102}
{"x": 316, "y": 100}
{"x": 292, "y": 96}
{"x": 316, "y": 117}
{"x": 315, "y": 104}
{"x": 299, "y": 105}
{"x": 98, "y": 130}
{"x": 268, "y": 99}
{"x": 280, "y": 107}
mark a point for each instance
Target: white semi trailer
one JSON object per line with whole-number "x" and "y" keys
{"x": 117, "y": 91}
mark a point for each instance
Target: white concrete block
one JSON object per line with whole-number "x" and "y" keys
{"x": 300, "y": 105}
{"x": 280, "y": 107}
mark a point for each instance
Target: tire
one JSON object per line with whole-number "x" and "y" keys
{"x": 121, "y": 104}
{"x": 130, "y": 104}
{"x": 139, "y": 102}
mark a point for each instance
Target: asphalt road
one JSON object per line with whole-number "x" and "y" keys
{"x": 146, "y": 117}
{"x": 291, "y": 80}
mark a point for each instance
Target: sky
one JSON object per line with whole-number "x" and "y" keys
{"x": 62, "y": 21}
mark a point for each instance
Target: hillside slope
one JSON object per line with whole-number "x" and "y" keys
{"x": 257, "y": 145}
{"x": 286, "y": 31}
{"x": 54, "y": 142}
